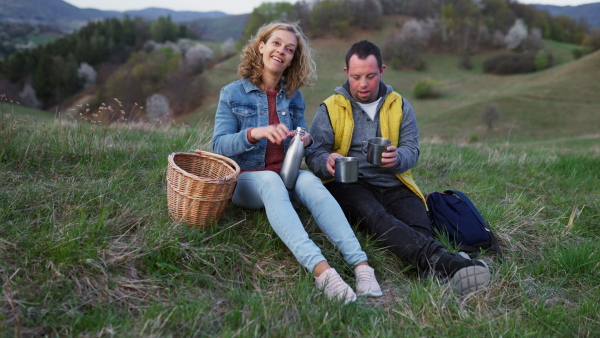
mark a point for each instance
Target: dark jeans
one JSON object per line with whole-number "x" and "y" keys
{"x": 396, "y": 216}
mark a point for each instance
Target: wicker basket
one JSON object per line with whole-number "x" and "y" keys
{"x": 199, "y": 186}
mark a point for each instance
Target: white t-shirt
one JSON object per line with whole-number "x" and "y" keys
{"x": 370, "y": 108}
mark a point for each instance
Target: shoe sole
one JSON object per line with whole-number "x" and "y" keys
{"x": 370, "y": 294}
{"x": 469, "y": 279}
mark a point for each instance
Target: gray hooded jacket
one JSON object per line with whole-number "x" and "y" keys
{"x": 364, "y": 128}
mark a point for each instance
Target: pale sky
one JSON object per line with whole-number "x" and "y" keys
{"x": 233, "y": 6}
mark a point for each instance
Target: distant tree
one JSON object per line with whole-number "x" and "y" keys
{"x": 497, "y": 39}
{"x": 592, "y": 41}
{"x": 533, "y": 42}
{"x": 420, "y": 31}
{"x": 228, "y": 48}
{"x": 421, "y": 9}
{"x": 15, "y": 67}
{"x": 185, "y": 44}
{"x": 164, "y": 29}
{"x": 395, "y": 6}
{"x": 491, "y": 115}
{"x": 28, "y": 97}
{"x": 404, "y": 50}
{"x": 497, "y": 15}
{"x": 87, "y": 74}
{"x": 460, "y": 20}
{"x": 65, "y": 78}
{"x": 330, "y": 16}
{"x": 301, "y": 13}
{"x": 43, "y": 81}
{"x": 367, "y": 14}
{"x": 157, "y": 109}
{"x": 516, "y": 34}
{"x": 196, "y": 58}
{"x": 265, "y": 13}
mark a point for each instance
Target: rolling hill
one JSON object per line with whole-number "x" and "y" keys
{"x": 558, "y": 103}
{"x": 67, "y": 17}
{"x": 589, "y": 12}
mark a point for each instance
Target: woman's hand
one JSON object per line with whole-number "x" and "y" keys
{"x": 275, "y": 133}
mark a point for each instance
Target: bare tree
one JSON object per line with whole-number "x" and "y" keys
{"x": 491, "y": 115}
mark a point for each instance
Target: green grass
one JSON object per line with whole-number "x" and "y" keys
{"x": 87, "y": 247}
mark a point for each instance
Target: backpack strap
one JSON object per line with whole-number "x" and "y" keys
{"x": 495, "y": 245}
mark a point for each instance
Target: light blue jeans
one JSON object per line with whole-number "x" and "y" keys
{"x": 258, "y": 189}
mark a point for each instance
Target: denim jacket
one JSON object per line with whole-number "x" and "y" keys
{"x": 242, "y": 105}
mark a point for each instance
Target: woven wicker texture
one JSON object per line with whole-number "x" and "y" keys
{"x": 199, "y": 186}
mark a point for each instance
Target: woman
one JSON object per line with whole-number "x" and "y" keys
{"x": 252, "y": 126}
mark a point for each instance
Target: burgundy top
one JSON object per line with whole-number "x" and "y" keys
{"x": 274, "y": 154}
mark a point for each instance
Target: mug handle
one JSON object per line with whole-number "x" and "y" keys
{"x": 364, "y": 147}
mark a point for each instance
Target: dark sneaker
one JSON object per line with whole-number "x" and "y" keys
{"x": 470, "y": 279}
{"x": 465, "y": 275}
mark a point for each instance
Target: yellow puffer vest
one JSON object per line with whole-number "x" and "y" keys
{"x": 390, "y": 118}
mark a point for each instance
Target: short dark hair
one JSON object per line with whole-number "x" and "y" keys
{"x": 363, "y": 49}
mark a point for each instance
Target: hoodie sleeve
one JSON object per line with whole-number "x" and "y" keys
{"x": 408, "y": 141}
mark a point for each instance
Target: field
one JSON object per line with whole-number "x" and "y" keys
{"x": 87, "y": 247}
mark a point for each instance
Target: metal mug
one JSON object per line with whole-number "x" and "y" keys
{"x": 374, "y": 148}
{"x": 346, "y": 169}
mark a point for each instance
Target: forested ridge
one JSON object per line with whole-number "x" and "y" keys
{"x": 137, "y": 61}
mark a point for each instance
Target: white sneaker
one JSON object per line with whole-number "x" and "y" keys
{"x": 334, "y": 286}
{"x": 366, "y": 283}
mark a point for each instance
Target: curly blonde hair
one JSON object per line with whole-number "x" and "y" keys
{"x": 301, "y": 71}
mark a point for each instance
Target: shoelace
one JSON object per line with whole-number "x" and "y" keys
{"x": 364, "y": 276}
{"x": 335, "y": 286}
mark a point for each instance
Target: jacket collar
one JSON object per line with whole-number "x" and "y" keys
{"x": 249, "y": 86}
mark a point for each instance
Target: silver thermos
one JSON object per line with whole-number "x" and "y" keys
{"x": 293, "y": 160}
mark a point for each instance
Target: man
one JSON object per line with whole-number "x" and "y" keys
{"x": 385, "y": 199}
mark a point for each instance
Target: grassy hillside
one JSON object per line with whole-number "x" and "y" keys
{"x": 559, "y": 103}
{"x": 87, "y": 247}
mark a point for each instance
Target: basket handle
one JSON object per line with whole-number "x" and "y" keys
{"x": 226, "y": 159}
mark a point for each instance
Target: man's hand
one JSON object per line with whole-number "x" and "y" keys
{"x": 306, "y": 139}
{"x": 331, "y": 163}
{"x": 389, "y": 157}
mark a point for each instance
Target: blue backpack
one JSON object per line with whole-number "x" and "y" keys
{"x": 453, "y": 213}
